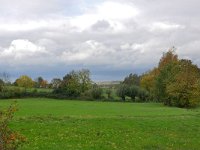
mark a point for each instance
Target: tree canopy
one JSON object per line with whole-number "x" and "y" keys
{"x": 25, "y": 81}
{"x": 175, "y": 81}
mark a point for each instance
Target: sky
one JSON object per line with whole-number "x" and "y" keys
{"x": 112, "y": 38}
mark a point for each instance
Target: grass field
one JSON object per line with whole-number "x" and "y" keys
{"x": 84, "y": 125}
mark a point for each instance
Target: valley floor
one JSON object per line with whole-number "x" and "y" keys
{"x": 85, "y": 125}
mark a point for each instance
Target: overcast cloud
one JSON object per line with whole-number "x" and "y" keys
{"x": 111, "y": 38}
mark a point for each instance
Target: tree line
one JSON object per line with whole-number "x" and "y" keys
{"x": 174, "y": 82}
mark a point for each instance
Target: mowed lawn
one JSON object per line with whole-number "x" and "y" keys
{"x": 83, "y": 125}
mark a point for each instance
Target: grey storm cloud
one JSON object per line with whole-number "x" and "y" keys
{"x": 111, "y": 38}
{"x": 101, "y": 25}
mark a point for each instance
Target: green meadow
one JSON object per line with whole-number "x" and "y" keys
{"x": 50, "y": 124}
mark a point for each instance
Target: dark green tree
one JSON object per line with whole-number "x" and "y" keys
{"x": 70, "y": 85}
{"x": 109, "y": 92}
{"x": 96, "y": 92}
{"x": 38, "y": 82}
{"x": 132, "y": 79}
{"x": 56, "y": 82}
{"x": 133, "y": 91}
{"x": 122, "y": 91}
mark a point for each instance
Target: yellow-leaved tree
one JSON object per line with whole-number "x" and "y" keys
{"x": 25, "y": 81}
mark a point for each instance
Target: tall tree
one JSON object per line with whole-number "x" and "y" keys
{"x": 164, "y": 77}
{"x": 84, "y": 79}
{"x": 133, "y": 91}
{"x": 56, "y": 82}
{"x": 184, "y": 86}
{"x": 25, "y": 81}
{"x": 39, "y": 81}
{"x": 122, "y": 91}
{"x": 168, "y": 57}
{"x": 174, "y": 82}
{"x": 132, "y": 79}
{"x": 5, "y": 77}
{"x": 148, "y": 81}
{"x": 4, "y": 80}
{"x": 165, "y": 66}
{"x": 1, "y": 85}
{"x": 70, "y": 84}
{"x": 44, "y": 84}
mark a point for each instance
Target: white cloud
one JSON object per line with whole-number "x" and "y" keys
{"x": 89, "y": 52}
{"x": 116, "y": 11}
{"x": 123, "y": 34}
{"x": 93, "y": 53}
{"x": 134, "y": 47}
{"x": 22, "y": 49}
{"x": 31, "y": 25}
{"x": 112, "y": 12}
{"x": 26, "y": 26}
{"x": 163, "y": 26}
{"x": 188, "y": 51}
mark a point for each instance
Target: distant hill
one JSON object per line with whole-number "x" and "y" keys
{"x": 108, "y": 83}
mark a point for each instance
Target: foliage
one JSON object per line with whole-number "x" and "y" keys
{"x": 70, "y": 85}
{"x": 122, "y": 91}
{"x": 132, "y": 79}
{"x": 38, "y": 82}
{"x": 166, "y": 71}
{"x": 168, "y": 57}
{"x": 44, "y": 84}
{"x": 84, "y": 79}
{"x": 73, "y": 84}
{"x": 25, "y": 81}
{"x": 96, "y": 92}
{"x": 41, "y": 83}
{"x": 56, "y": 82}
{"x": 5, "y": 78}
{"x": 133, "y": 91}
{"x": 148, "y": 80}
{"x": 109, "y": 93}
{"x": 9, "y": 140}
{"x": 184, "y": 88}
{"x": 174, "y": 82}
{"x": 4, "y": 81}
{"x": 12, "y": 93}
{"x": 1, "y": 85}
{"x": 143, "y": 95}
{"x": 163, "y": 79}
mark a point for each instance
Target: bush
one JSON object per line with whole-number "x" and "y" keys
{"x": 133, "y": 91}
{"x": 12, "y": 93}
{"x": 67, "y": 92}
{"x": 87, "y": 95}
{"x": 109, "y": 92}
{"x": 143, "y": 95}
{"x": 96, "y": 92}
{"x": 122, "y": 91}
{"x": 9, "y": 139}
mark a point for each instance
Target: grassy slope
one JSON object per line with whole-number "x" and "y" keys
{"x": 53, "y": 124}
